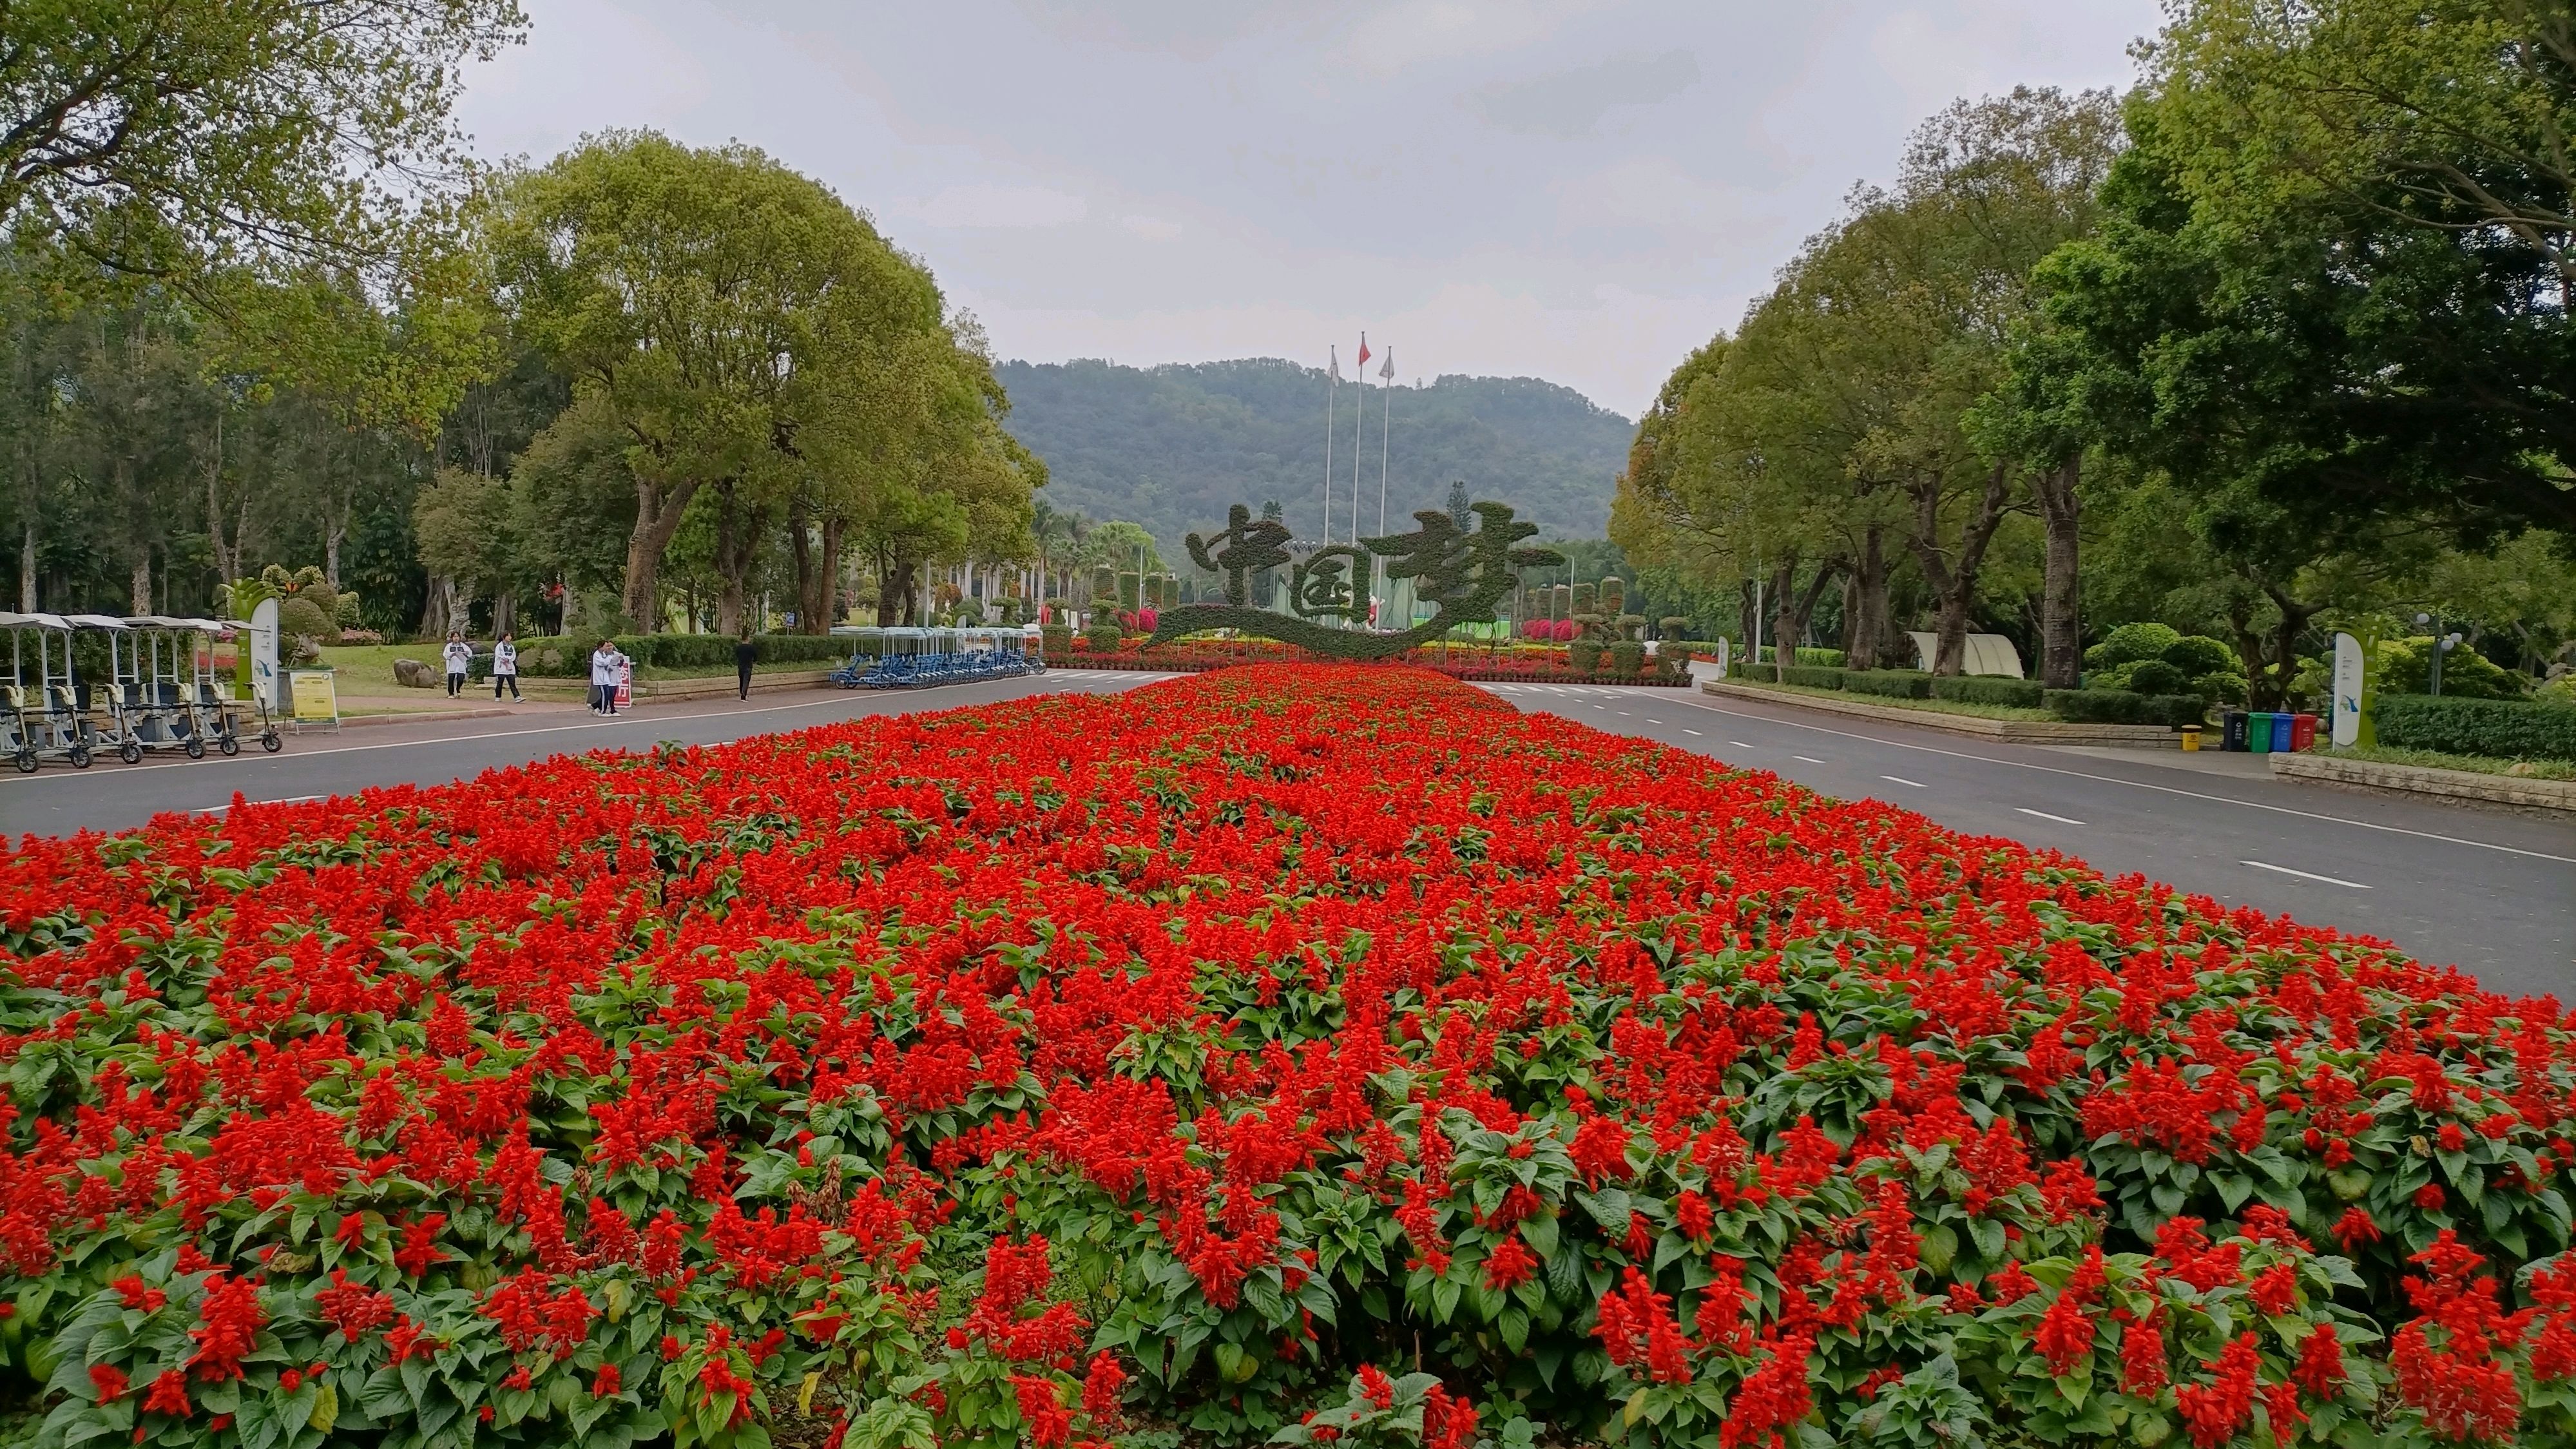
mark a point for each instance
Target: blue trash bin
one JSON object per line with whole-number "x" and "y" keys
{"x": 2285, "y": 734}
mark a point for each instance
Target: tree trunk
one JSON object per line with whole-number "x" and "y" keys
{"x": 142, "y": 584}
{"x": 331, "y": 539}
{"x": 1782, "y": 602}
{"x": 2061, "y": 626}
{"x": 2271, "y": 687}
{"x": 1789, "y": 624}
{"x": 830, "y": 613}
{"x": 657, "y": 517}
{"x": 1867, "y": 617}
{"x": 800, "y": 553}
{"x": 227, "y": 559}
{"x": 1954, "y": 583}
{"x": 27, "y": 568}
{"x": 505, "y": 613}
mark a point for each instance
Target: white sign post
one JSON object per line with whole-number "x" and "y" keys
{"x": 1721, "y": 656}
{"x": 266, "y": 683}
{"x": 625, "y": 683}
{"x": 2349, "y": 673}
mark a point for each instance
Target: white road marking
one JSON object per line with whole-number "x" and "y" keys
{"x": 1744, "y": 744}
{"x": 2305, "y": 875}
{"x": 2138, "y": 785}
{"x": 2044, "y": 815}
{"x": 1810, "y": 759}
{"x": 1900, "y": 779}
{"x": 1693, "y": 732}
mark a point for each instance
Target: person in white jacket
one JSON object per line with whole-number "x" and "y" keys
{"x": 458, "y": 654}
{"x": 605, "y": 663}
{"x": 505, "y": 667}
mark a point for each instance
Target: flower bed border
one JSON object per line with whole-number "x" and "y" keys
{"x": 1142, "y": 665}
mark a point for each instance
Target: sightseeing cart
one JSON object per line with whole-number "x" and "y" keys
{"x": 913, "y": 658}
{"x": 218, "y": 715}
{"x": 156, "y": 691}
{"x": 867, "y": 646}
{"x": 43, "y": 693}
{"x": 125, "y": 713}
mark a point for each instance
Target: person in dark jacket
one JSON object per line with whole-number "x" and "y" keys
{"x": 743, "y": 654}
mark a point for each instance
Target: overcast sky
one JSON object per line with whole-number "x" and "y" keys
{"x": 1579, "y": 190}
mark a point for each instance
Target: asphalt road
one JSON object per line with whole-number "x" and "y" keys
{"x": 2494, "y": 894}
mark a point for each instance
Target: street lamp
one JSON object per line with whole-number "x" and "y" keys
{"x": 2441, "y": 646}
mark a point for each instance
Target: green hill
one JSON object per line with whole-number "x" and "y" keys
{"x": 1172, "y": 446}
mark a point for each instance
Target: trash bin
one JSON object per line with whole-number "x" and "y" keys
{"x": 2191, "y": 737}
{"x": 2258, "y": 732}
{"x": 2233, "y": 727}
{"x": 2285, "y": 733}
{"x": 2303, "y": 732}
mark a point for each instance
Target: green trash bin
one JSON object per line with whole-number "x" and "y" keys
{"x": 2259, "y": 728}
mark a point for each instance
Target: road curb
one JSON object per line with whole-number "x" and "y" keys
{"x": 2001, "y": 731}
{"x": 2552, "y": 797}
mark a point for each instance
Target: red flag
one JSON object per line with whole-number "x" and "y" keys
{"x": 1364, "y": 352}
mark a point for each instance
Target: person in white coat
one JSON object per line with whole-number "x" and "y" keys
{"x": 605, "y": 662}
{"x": 505, "y": 667}
{"x": 458, "y": 655}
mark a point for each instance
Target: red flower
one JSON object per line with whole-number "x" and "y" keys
{"x": 1508, "y": 1265}
{"x": 168, "y": 1395}
{"x": 1375, "y": 1387}
{"x": 2142, "y": 1360}
{"x": 109, "y": 1382}
{"x": 230, "y": 1320}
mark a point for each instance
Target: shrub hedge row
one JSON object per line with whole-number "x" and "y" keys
{"x": 2501, "y": 728}
{"x": 570, "y": 658}
{"x": 1990, "y": 689}
{"x": 1889, "y": 683}
{"x": 2120, "y": 706}
{"x": 1814, "y": 676}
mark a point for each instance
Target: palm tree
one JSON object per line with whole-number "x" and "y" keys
{"x": 1059, "y": 534}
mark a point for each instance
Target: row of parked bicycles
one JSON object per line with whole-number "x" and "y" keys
{"x": 909, "y": 658}
{"x": 160, "y": 692}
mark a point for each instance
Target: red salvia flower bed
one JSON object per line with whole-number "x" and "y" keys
{"x": 1327, "y": 1048}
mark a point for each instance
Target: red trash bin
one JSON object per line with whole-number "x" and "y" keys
{"x": 2303, "y": 732}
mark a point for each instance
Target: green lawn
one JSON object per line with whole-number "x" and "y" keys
{"x": 1927, "y": 706}
{"x": 2475, "y": 764}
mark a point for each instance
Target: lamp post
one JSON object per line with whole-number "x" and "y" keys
{"x": 2441, "y": 646}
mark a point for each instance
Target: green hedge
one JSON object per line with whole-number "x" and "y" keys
{"x": 1889, "y": 683}
{"x": 1812, "y": 676}
{"x": 2499, "y": 728}
{"x": 1990, "y": 689}
{"x": 569, "y": 658}
{"x": 2120, "y": 706}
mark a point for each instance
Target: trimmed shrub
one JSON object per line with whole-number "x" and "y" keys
{"x": 2130, "y": 643}
{"x": 1889, "y": 683}
{"x": 1055, "y": 639}
{"x": 301, "y": 616}
{"x": 1812, "y": 676}
{"x": 1823, "y": 658}
{"x": 1627, "y": 656}
{"x": 2155, "y": 676}
{"x": 2503, "y": 729}
{"x": 1584, "y": 654}
{"x": 1989, "y": 689}
{"x": 1761, "y": 673}
{"x": 2198, "y": 654}
{"x": 1104, "y": 636}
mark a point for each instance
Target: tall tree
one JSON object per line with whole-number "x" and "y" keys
{"x": 179, "y": 137}
{"x": 721, "y": 308}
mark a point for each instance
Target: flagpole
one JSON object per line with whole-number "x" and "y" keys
{"x": 1330, "y": 388}
{"x": 1387, "y": 373}
{"x": 1356, "y": 425}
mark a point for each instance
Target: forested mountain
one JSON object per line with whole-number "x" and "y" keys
{"x": 1172, "y": 446}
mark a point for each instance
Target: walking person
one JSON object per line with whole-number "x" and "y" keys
{"x": 505, "y": 667}
{"x": 603, "y": 677}
{"x": 458, "y": 655}
{"x": 743, "y": 654}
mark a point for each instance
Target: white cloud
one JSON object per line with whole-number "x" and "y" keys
{"x": 1411, "y": 32}
{"x": 986, "y": 207}
{"x": 1152, "y": 228}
